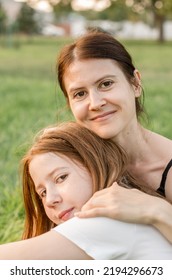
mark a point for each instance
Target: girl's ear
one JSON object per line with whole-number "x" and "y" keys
{"x": 137, "y": 83}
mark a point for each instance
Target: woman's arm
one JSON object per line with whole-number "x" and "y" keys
{"x": 162, "y": 218}
{"x": 48, "y": 246}
{"x": 130, "y": 205}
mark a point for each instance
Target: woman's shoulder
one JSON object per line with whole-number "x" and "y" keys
{"x": 161, "y": 145}
{"x": 165, "y": 151}
{"x": 161, "y": 138}
{"x": 168, "y": 184}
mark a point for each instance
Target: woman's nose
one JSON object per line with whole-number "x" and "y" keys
{"x": 96, "y": 101}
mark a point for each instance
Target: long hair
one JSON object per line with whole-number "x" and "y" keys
{"x": 96, "y": 44}
{"x": 105, "y": 160}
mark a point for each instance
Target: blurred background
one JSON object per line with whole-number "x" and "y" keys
{"x": 136, "y": 19}
{"x": 31, "y": 34}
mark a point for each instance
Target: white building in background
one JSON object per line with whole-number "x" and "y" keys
{"x": 52, "y": 30}
{"x": 168, "y": 30}
{"x": 137, "y": 30}
{"x": 78, "y": 24}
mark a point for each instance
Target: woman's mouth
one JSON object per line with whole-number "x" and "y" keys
{"x": 104, "y": 116}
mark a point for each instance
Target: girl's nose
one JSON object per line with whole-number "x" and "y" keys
{"x": 96, "y": 101}
{"x": 53, "y": 198}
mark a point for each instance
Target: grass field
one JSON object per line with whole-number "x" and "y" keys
{"x": 30, "y": 99}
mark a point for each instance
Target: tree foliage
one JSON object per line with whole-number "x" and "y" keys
{"x": 116, "y": 12}
{"x": 161, "y": 10}
{"x": 62, "y": 9}
{"x": 155, "y": 12}
{"x": 3, "y": 19}
{"x": 26, "y": 21}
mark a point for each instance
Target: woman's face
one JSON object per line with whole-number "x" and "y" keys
{"x": 63, "y": 186}
{"x": 100, "y": 97}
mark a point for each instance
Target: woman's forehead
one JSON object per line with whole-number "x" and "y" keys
{"x": 91, "y": 70}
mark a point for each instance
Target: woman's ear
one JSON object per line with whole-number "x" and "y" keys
{"x": 137, "y": 83}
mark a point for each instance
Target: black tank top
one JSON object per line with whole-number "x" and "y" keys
{"x": 161, "y": 189}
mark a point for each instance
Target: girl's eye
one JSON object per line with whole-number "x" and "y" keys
{"x": 42, "y": 194}
{"x": 61, "y": 179}
{"x": 79, "y": 95}
{"x": 106, "y": 84}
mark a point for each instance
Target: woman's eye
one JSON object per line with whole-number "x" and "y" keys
{"x": 106, "y": 84}
{"x": 61, "y": 179}
{"x": 79, "y": 95}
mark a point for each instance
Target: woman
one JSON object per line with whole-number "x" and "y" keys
{"x": 61, "y": 171}
{"x": 104, "y": 92}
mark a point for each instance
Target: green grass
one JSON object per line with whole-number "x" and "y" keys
{"x": 30, "y": 100}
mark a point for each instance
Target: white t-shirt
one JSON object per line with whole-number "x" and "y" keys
{"x": 104, "y": 238}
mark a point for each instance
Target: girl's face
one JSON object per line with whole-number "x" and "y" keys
{"x": 100, "y": 97}
{"x": 63, "y": 186}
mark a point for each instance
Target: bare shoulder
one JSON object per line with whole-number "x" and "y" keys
{"x": 161, "y": 145}
{"x": 164, "y": 140}
{"x": 168, "y": 188}
{"x": 57, "y": 246}
{"x": 166, "y": 146}
{"x": 48, "y": 246}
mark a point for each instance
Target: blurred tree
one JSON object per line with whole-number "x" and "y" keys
{"x": 117, "y": 11}
{"x": 161, "y": 10}
{"x": 158, "y": 10}
{"x": 3, "y": 19}
{"x": 62, "y": 9}
{"x": 26, "y": 21}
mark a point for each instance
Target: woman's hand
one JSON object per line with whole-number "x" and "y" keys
{"x": 130, "y": 205}
{"x": 118, "y": 203}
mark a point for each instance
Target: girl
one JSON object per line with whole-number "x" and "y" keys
{"x": 65, "y": 166}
